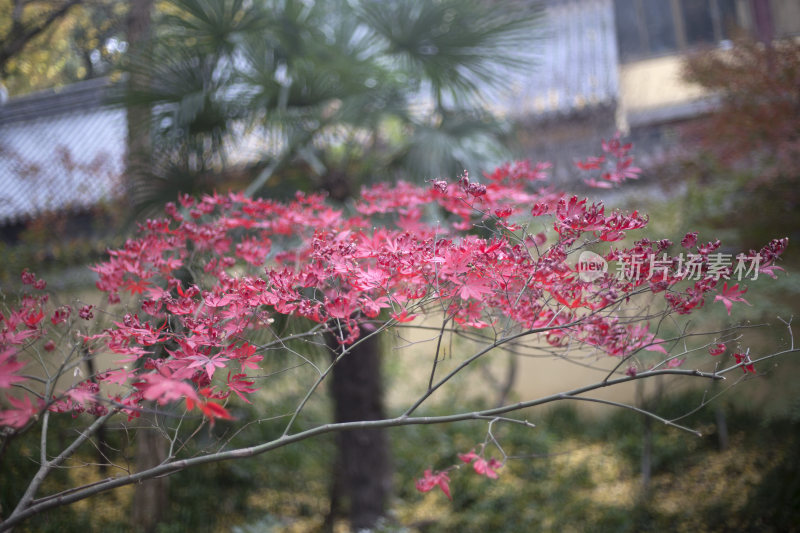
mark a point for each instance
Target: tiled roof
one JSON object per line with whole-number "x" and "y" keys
{"x": 576, "y": 61}
{"x": 60, "y": 150}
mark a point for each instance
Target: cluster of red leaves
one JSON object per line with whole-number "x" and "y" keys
{"x": 431, "y": 479}
{"x": 389, "y": 261}
{"x": 615, "y": 165}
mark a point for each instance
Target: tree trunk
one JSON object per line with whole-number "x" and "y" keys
{"x": 362, "y": 473}
{"x": 150, "y": 497}
{"x": 138, "y": 117}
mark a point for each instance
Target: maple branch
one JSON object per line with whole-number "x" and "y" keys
{"x": 325, "y": 374}
{"x": 47, "y": 466}
{"x": 28, "y": 507}
{"x": 471, "y": 359}
{"x": 685, "y": 334}
{"x": 501, "y": 342}
{"x": 438, "y": 348}
{"x": 764, "y": 358}
{"x": 636, "y": 409}
{"x": 509, "y": 420}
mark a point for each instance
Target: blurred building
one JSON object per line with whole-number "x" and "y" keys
{"x": 602, "y": 66}
{"x": 615, "y": 65}
{"x": 61, "y": 151}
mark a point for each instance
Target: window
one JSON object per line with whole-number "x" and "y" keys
{"x": 657, "y": 27}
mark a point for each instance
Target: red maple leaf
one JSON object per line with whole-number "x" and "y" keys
{"x": 403, "y": 316}
{"x": 474, "y": 287}
{"x": 19, "y": 416}
{"x": 481, "y": 465}
{"x": 136, "y": 287}
{"x": 210, "y": 409}
{"x": 592, "y": 163}
{"x": 731, "y": 294}
{"x": 238, "y": 384}
{"x": 164, "y": 389}
{"x": 430, "y": 480}
{"x": 744, "y": 360}
{"x": 716, "y": 349}
{"x": 9, "y": 365}
{"x": 33, "y": 317}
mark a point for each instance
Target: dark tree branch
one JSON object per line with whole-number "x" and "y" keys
{"x": 29, "y": 507}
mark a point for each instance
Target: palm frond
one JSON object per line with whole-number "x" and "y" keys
{"x": 462, "y": 47}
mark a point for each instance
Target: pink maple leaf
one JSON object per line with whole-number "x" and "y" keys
{"x": 716, "y": 349}
{"x": 19, "y": 416}
{"x": 119, "y": 376}
{"x": 487, "y": 468}
{"x": 213, "y": 300}
{"x": 403, "y": 316}
{"x": 770, "y": 270}
{"x": 474, "y": 287}
{"x": 598, "y": 184}
{"x": 481, "y": 465}
{"x": 209, "y": 363}
{"x": 430, "y": 480}
{"x": 468, "y": 457}
{"x": 164, "y": 389}
{"x": 8, "y": 366}
{"x": 731, "y": 294}
{"x": 239, "y": 384}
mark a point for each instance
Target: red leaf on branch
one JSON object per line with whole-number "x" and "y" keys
{"x": 8, "y": 366}
{"x": 744, "y": 360}
{"x": 481, "y": 465}
{"x": 33, "y": 317}
{"x": 716, "y": 349}
{"x": 689, "y": 240}
{"x": 239, "y": 385}
{"x": 403, "y": 316}
{"x": 430, "y": 480}
{"x": 731, "y": 294}
{"x": 18, "y": 416}
{"x": 136, "y": 286}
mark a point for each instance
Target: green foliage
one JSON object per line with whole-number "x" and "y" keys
{"x": 58, "y": 242}
{"x": 461, "y": 47}
{"x": 19, "y": 461}
{"x": 84, "y": 41}
{"x": 574, "y": 472}
{"x": 330, "y": 88}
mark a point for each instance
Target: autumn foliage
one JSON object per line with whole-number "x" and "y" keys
{"x": 495, "y": 257}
